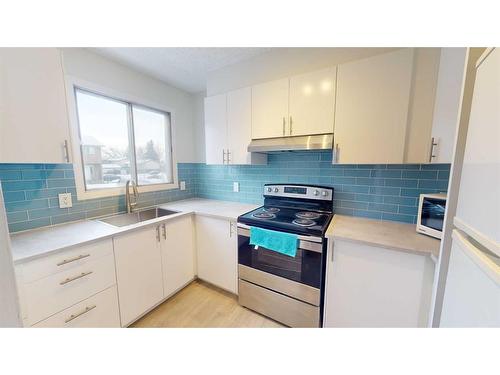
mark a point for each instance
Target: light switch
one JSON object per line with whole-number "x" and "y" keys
{"x": 236, "y": 187}
{"x": 65, "y": 200}
{"x": 183, "y": 185}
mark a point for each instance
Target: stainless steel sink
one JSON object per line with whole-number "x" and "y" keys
{"x": 123, "y": 220}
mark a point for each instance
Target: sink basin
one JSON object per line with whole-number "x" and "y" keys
{"x": 123, "y": 220}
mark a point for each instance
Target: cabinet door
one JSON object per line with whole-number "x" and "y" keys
{"x": 312, "y": 102}
{"x": 216, "y": 241}
{"x": 177, "y": 250}
{"x": 270, "y": 109}
{"x": 215, "y": 129}
{"x": 239, "y": 128}
{"x": 33, "y": 114}
{"x": 138, "y": 272}
{"x": 371, "y": 110}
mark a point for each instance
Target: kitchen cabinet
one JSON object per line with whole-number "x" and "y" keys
{"x": 228, "y": 126}
{"x": 177, "y": 253}
{"x": 33, "y": 114}
{"x": 371, "y": 286}
{"x": 270, "y": 109}
{"x": 216, "y": 241}
{"x": 312, "y": 103}
{"x": 371, "y": 110}
{"x": 139, "y": 274}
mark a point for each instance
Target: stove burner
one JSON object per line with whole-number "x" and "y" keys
{"x": 272, "y": 210}
{"x": 304, "y": 222}
{"x": 307, "y": 215}
{"x": 264, "y": 215}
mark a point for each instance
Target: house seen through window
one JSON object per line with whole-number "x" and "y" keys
{"x": 122, "y": 141}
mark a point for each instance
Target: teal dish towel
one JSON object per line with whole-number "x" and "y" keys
{"x": 284, "y": 243}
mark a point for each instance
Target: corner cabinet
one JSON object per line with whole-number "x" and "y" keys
{"x": 228, "y": 126}
{"x": 217, "y": 244}
{"x": 33, "y": 114}
{"x": 371, "y": 113}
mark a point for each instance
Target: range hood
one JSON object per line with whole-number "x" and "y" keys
{"x": 306, "y": 142}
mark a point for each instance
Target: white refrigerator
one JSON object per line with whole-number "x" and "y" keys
{"x": 472, "y": 290}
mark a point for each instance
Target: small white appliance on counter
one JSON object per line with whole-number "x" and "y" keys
{"x": 430, "y": 219}
{"x": 472, "y": 291}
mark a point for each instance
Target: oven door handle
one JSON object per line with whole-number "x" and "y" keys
{"x": 309, "y": 244}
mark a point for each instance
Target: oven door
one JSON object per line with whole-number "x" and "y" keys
{"x": 304, "y": 268}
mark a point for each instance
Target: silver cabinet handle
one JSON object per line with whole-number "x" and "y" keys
{"x": 230, "y": 229}
{"x": 431, "y": 153}
{"x": 283, "y": 125}
{"x": 223, "y": 156}
{"x": 66, "y": 261}
{"x": 291, "y": 125}
{"x": 70, "y": 279}
{"x": 228, "y": 159}
{"x": 74, "y": 316}
{"x": 66, "y": 151}
{"x": 164, "y": 231}
{"x": 336, "y": 152}
{"x": 158, "y": 233}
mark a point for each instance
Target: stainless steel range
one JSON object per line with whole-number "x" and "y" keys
{"x": 286, "y": 289}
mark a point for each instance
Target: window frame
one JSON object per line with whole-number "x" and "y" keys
{"x": 72, "y": 85}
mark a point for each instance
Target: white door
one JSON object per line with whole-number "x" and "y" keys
{"x": 472, "y": 294}
{"x": 270, "y": 109}
{"x": 216, "y": 241}
{"x": 177, "y": 250}
{"x": 33, "y": 114}
{"x": 138, "y": 272}
{"x": 312, "y": 102}
{"x": 478, "y": 209}
{"x": 371, "y": 110}
{"x": 215, "y": 129}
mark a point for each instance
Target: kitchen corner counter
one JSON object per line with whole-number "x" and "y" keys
{"x": 387, "y": 234}
{"x": 32, "y": 244}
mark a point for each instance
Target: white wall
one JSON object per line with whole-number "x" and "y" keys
{"x": 280, "y": 63}
{"x": 88, "y": 66}
{"x": 199, "y": 125}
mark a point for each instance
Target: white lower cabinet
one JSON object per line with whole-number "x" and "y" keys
{"x": 177, "y": 253}
{"x": 216, "y": 241}
{"x": 98, "y": 311}
{"x": 370, "y": 286}
{"x": 138, "y": 272}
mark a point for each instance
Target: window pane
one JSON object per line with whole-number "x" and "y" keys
{"x": 104, "y": 140}
{"x": 152, "y": 146}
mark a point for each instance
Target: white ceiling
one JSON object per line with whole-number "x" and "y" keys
{"x": 185, "y": 68}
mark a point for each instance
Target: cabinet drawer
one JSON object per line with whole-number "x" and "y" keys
{"x": 98, "y": 311}
{"x": 54, "y": 293}
{"x": 70, "y": 259}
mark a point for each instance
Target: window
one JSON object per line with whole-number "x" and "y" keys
{"x": 121, "y": 141}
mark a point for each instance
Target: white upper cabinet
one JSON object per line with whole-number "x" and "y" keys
{"x": 228, "y": 127}
{"x": 33, "y": 114}
{"x": 372, "y": 109}
{"x": 215, "y": 129}
{"x": 312, "y": 103}
{"x": 270, "y": 109}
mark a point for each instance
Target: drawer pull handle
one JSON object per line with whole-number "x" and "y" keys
{"x": 66, "y": 261}
{"x": 74, "y": 316}
{"x": 70, "y": 279}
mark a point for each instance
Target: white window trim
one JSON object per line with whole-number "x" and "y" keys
{"x": 81, "y": 192}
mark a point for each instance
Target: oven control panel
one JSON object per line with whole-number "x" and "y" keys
{"x": 299, "y": 191}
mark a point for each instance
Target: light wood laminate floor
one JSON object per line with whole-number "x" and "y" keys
{"x": 201, "y": 305}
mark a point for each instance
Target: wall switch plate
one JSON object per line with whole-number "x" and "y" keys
{"x": 183, "y": 185}
{"x": 65, "y": 200}
{"x": 236, "y": 187}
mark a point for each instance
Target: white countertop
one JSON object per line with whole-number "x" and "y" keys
{"x": 387, "y": 234}
{"x": 32, "y": 244}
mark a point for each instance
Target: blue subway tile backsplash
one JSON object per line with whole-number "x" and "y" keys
{"x": 383, "y": 192}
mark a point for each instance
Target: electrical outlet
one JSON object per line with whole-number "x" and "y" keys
{"x": 65, "y": 200}
{"x": 236, "y": 187}
{"x": 183, "y": 185}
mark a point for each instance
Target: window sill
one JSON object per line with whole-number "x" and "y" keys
{"x": 113, "y": 192}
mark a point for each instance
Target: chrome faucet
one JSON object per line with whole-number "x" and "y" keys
{"x": 130, "y": 204}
